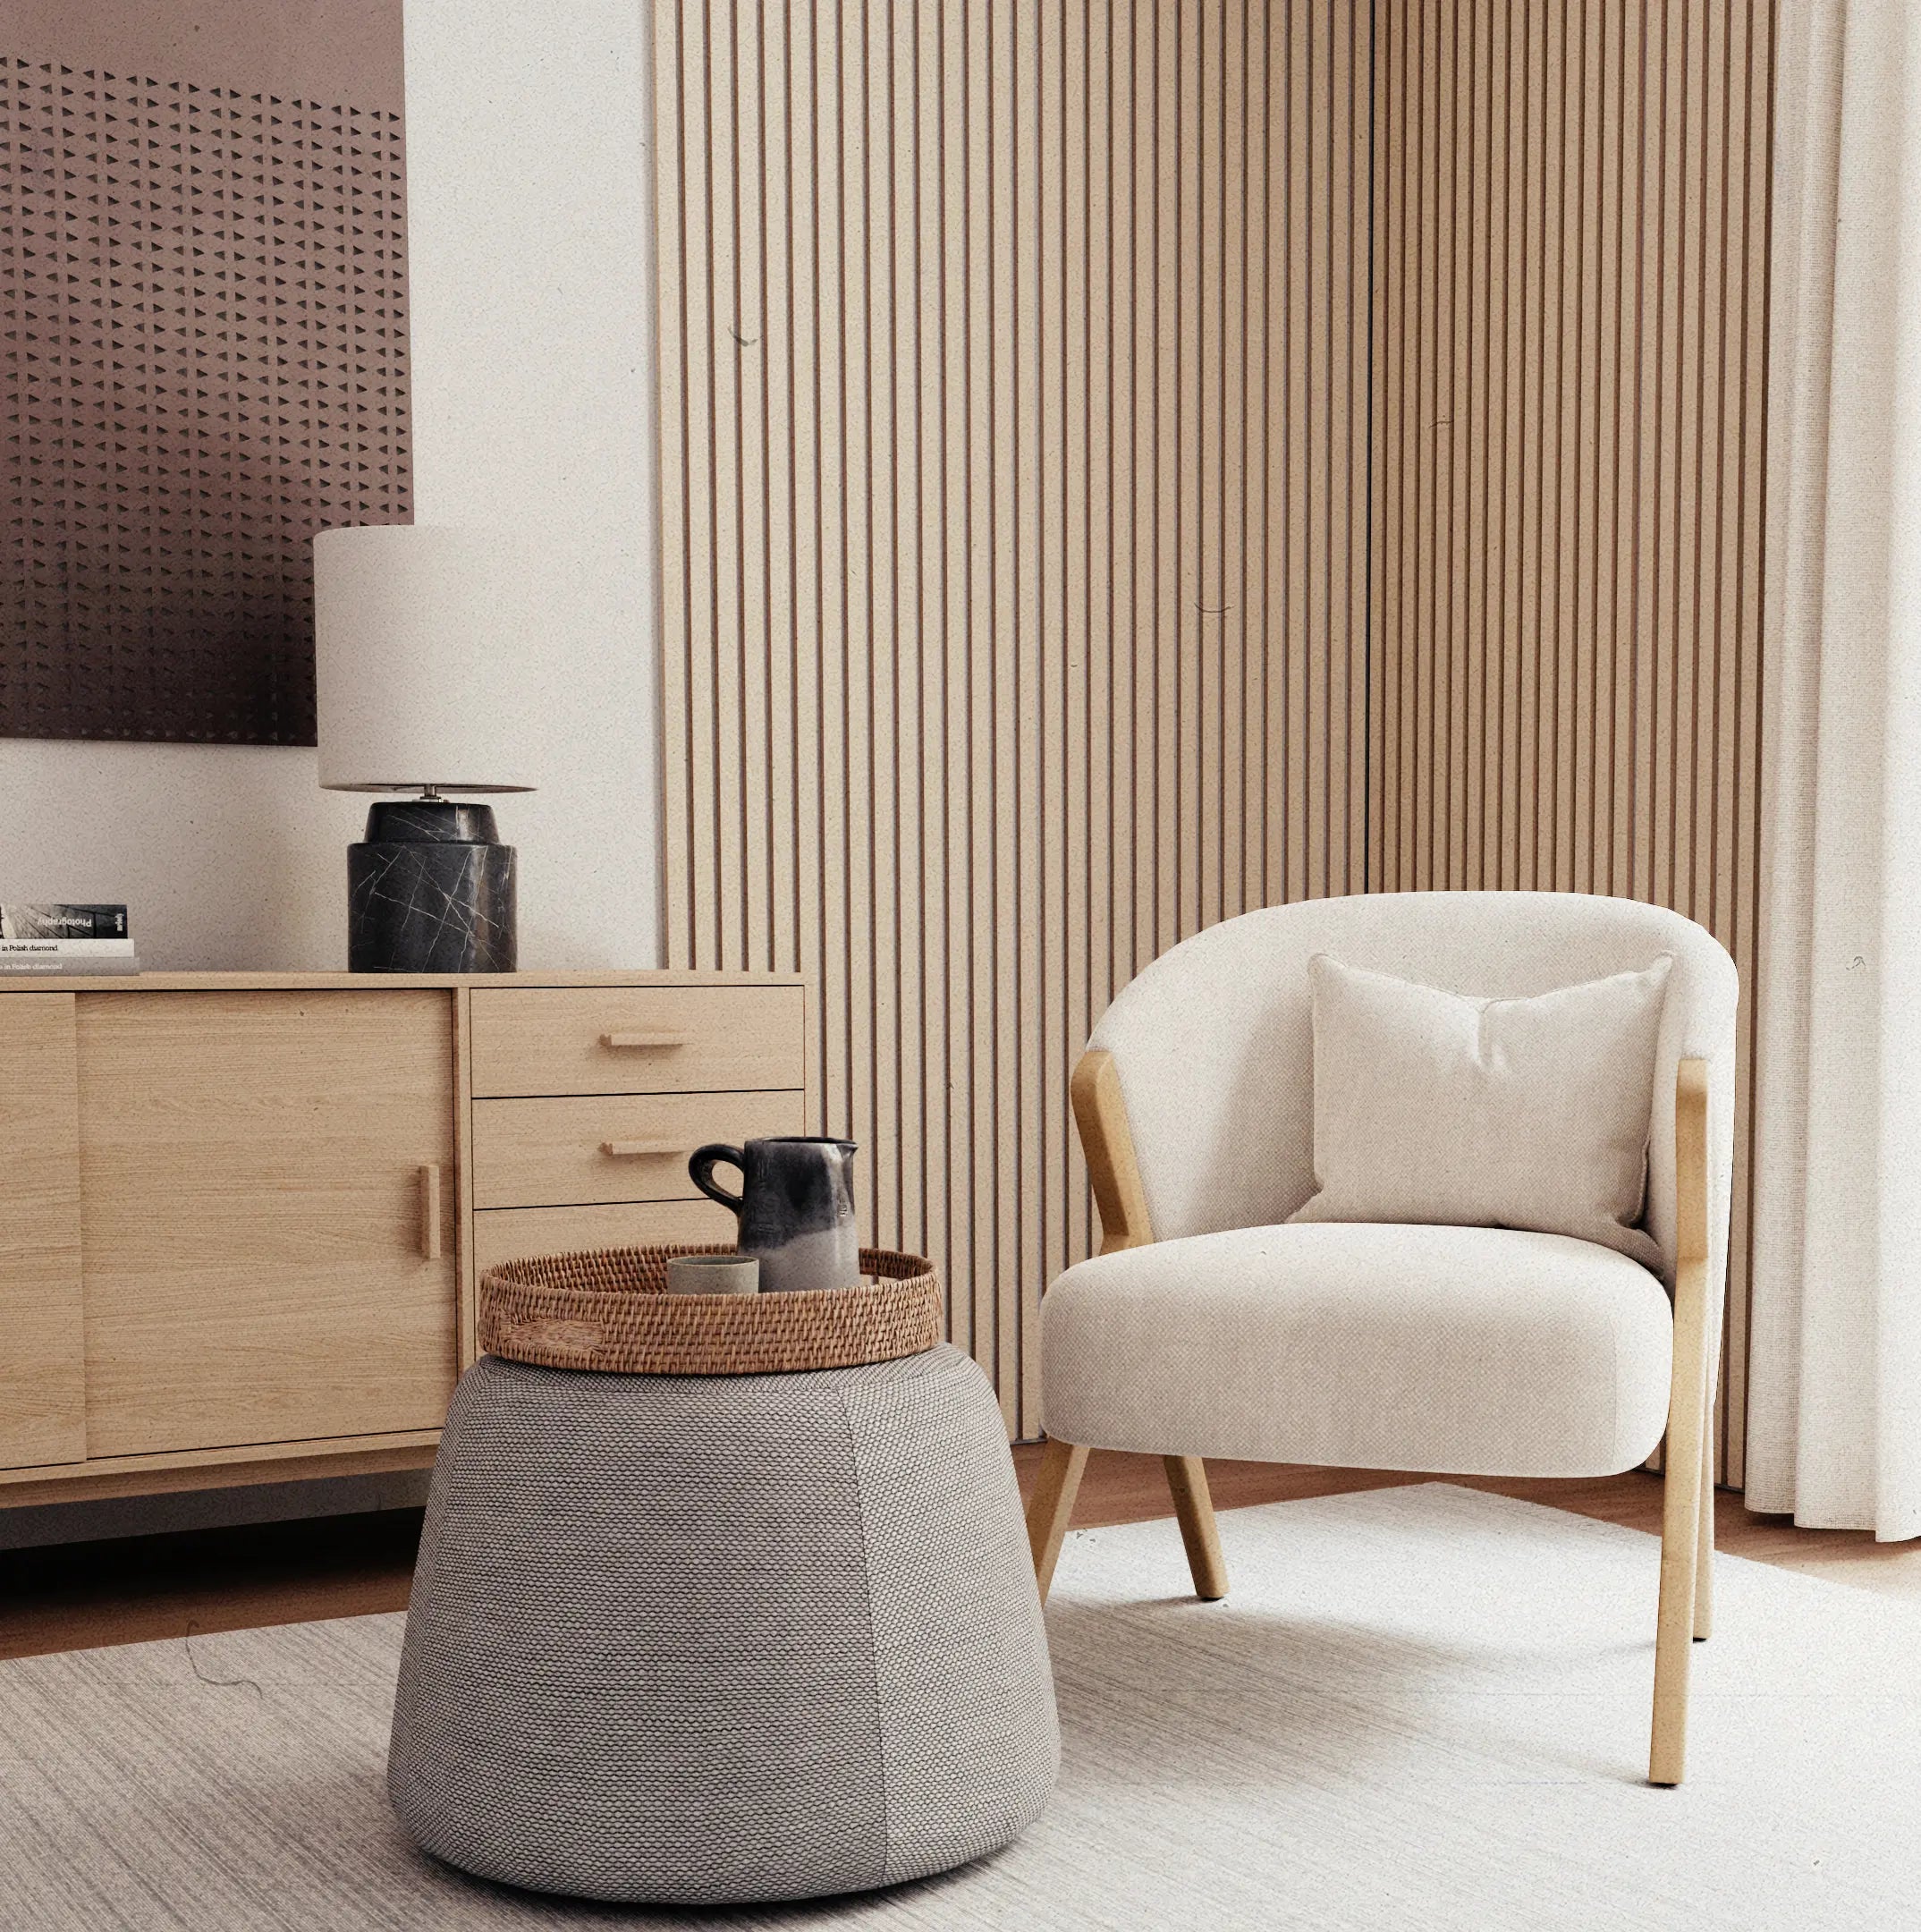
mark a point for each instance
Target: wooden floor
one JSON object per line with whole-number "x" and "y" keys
{"x": 77, "y": 1596}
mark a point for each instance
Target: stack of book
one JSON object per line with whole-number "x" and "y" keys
{"x": 66, "y": 939}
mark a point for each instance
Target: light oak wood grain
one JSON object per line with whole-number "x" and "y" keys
{"x": 467, "y": 1313}
{"x": 621, "y": 1039}
{"x": 250, "y": 1216}
{"x": 553, "y": 1153}
{"x": 1186, "y": 1483}
{"x": 42, "y": 1343}
{"x": 1682, "y": 1538}
{"x": 1050, "y": 1507}
{"x": 1113, "y": 1174}
{"x": 286, "y": 1253}
{"x": 509, "y": 1233}
{"x": 224, "y": 1468}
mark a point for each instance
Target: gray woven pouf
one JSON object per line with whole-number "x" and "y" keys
{"x": 695, "y": 1640}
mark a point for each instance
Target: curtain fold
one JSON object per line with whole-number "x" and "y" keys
{"x": 1834, "y": 1416}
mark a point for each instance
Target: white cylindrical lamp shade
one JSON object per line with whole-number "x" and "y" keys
{"x": 420, "y": 638}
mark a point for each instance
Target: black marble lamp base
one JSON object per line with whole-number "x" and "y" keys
{"x": 431, "y": 890}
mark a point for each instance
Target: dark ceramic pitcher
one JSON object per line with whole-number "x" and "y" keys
{"x": 796, "y": 1206}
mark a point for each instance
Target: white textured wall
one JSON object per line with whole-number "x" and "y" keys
{"x": 529, "y": 251}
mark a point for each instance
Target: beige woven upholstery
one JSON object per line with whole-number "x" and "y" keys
{"x": 1473, "y": 1351}
{"x": 1450, "y": 1351}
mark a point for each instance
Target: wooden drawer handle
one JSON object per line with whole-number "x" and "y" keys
{"x": 646, "y": 1042}
{"x": 430, "y": 1213}
{"x": 634, "y": 1149}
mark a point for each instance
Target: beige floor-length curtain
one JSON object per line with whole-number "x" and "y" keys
{"x": 1834, "y": 1414}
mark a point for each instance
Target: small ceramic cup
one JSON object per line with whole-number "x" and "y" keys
{"x": 713, "y": 1274}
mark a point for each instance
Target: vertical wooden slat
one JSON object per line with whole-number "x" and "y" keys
{"x": 1743, "y": 782}
{"x": 744, "y": 352}
{"x": 1262, "y": 645}
{"x": 876, "y": 697}
{"x": 728, "y": 562}
{"x": 1065, "y": 115}
{"x": 1300, "y": 515}
{"x": 975, "y": 915}
{"x": 675, "y": 383}
{"x": 1515, "y": 128}
{"x": 905, "y": 1158}
{"x": 690, "y": 940}
{"x": 1281, "y": 748}
{"x": 1090, "y": 399}
{"x": 1037, "y": 700}
{"x": 1383, "y": 425}
{"x": 954, "y": 1096}
{"x": 1422, "y": 645}
{"x": 802, "y": 383}
{"x": 1324, "y": 695}
{"x": 772, "y": 888}
{"x": 1580, "y": 834}
{"x": 1225, "y": 589}
{"x": 1203, "y": 292}
{"x": 836, "y": 469}
{"x": 923, "y": 1152}
{"x": 1475, "y": 392}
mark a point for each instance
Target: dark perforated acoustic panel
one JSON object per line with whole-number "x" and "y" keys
{"x": 205, "y": 338}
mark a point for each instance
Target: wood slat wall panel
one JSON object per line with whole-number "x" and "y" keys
{"x": 1571, "y": 266}
{"x": 1127, "y": 462}
{"x": 1016, "y": 407}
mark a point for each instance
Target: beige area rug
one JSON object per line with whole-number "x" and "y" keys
{"x": 1420, "y": 1707}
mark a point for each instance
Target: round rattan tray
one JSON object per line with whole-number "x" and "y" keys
{"x": 609, "y": 1310}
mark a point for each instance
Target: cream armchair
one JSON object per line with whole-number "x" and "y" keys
{"x": 1208, "y": 1325}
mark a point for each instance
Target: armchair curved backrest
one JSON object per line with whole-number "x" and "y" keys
{"x": 1213, "y": 1044}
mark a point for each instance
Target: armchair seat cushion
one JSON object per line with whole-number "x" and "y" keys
{"x": 1456, "y": 1350}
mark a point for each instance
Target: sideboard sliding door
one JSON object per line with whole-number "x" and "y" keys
{"x": 252, "y": 1176}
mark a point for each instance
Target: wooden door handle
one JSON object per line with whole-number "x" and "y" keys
{"x": 646, "y": 1042}
{"x": 634, "y": 1149}
{"x": 430, "y": 1213}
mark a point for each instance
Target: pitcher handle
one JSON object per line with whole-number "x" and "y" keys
{"x": 700, "y": 1171}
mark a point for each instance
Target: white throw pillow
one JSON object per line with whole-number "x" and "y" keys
{"x": 1435, "y": 1107}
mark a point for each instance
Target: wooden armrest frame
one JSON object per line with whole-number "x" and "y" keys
{"x": 1686, "y": 1523}
{"x": 1101, "y": 1114}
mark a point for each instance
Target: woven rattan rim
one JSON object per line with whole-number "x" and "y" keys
{"x": 607, "y": 1308}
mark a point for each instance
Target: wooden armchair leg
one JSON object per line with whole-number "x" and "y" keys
{"x": 1685, "y": 1486}
{"x": 1704, "y": 1562}
{"x": 1052, "y": 1506}
{"x": 1674, "y": 1629}
{"x": 1187, "y": 1477}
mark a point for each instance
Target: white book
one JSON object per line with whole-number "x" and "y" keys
{"x": 41, "y": 966}
{"x": 66, "y": 948}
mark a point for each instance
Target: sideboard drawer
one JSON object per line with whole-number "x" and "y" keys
{"x": 507, "y": 1234}
{"x": 611, "y": 1147}
{"x": 529, "y": 1040}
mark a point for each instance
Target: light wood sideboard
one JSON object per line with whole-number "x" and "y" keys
{"x": 242, "y": 1216}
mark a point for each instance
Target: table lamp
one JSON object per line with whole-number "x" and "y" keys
{"x": 420, "y": 637}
